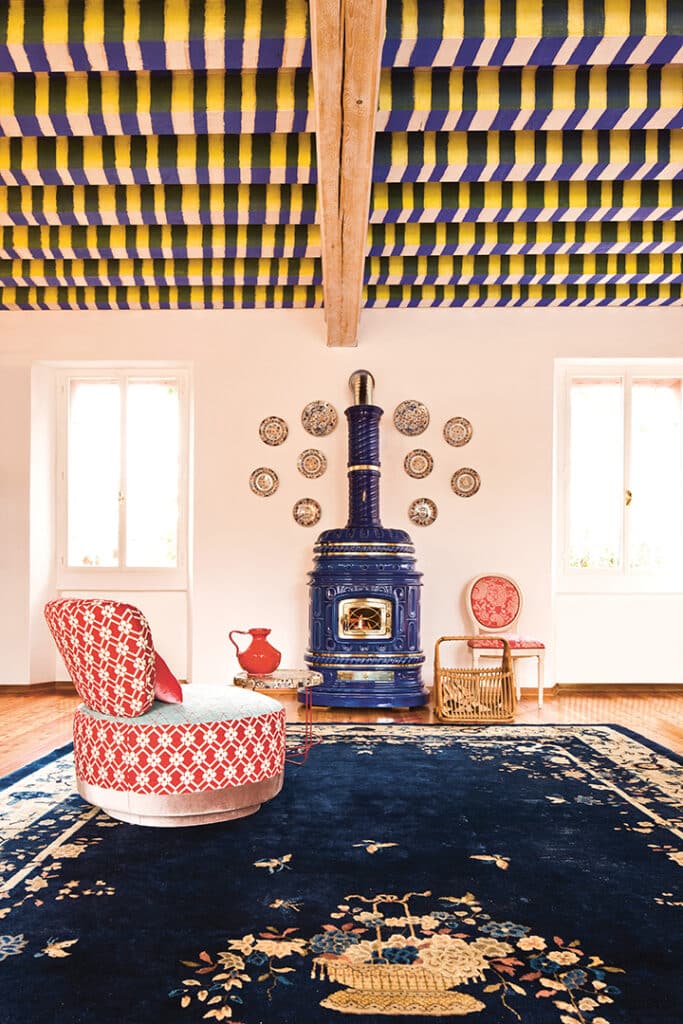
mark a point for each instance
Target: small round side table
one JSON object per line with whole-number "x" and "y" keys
{"x": 288, "y": 680}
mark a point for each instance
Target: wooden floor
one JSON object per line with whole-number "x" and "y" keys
{"x": 34, "y": 724}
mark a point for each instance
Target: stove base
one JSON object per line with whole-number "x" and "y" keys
{"x": 358, "y": 692}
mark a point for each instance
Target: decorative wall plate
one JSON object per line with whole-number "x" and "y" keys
{"x": 422, "y": 512}
{"x": 458, "y": 431}
{"x": 312, "y": 463}
{"x": 319, "y": 418}
{"x": 273, "y": 430}
{"x": 418, "y": 463}
{"x": 465, "y": 482}
{"x": 307, "y": 512}
{"x": 411, "y": 418}
{"x": 264, "y": 481}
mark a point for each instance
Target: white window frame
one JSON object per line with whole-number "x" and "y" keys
{"x": 622, "y": 580}
{"x": 106, "y": 578}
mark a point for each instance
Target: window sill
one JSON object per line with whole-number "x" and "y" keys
{"x": 622, "y": 586}
{"x": 99, "y": 579}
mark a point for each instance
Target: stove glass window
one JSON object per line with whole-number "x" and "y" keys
{"x": 364, "y": 617}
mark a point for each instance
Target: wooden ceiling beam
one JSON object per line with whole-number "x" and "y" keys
{"x": 347, "y": 38}
{"x": 327, "y": 55}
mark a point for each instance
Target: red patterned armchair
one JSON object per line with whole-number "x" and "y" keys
{"x": 216, "y": 754}
{"x": 494, "y": 604}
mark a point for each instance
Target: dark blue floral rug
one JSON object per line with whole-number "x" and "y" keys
{"x": 506, "y": 874}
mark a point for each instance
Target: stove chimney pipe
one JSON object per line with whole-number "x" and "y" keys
{"x": 363, "y": 464}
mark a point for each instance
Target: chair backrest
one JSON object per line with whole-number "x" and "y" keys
{"x": 108, "y": 651}
{"x": 494, "y": 603}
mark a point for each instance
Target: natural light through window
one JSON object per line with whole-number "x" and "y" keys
{"x": 94, "y": 473}
{"x": 655, "y": 482}
{"x": 623, "y": 480}
{"x": 123, "y": 472}
{"x": 596, "y": 473}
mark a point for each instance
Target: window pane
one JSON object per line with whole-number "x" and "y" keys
{"x": 596, "y": 460}
{"x": 93, "y": 473}
{"x": 656, "y": 460}
{"x": 153, "y": 462}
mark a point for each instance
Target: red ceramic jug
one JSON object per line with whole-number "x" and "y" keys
{"x": 260, "y": 658}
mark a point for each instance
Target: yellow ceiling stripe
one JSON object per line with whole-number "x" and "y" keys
{"x": 296, "y": 23}
{"x": 637, "y": 88}
{"x": 252, "y": 21}
{"x": 131, "y": 21}
{"x": 528, "y": 90}
{"x": 617, "y": 17}
{"x": 672, "y": 86}
{"x": 525, "y": 148}
{"x": 55, "y": 23}
{"x": 182, "y": 93}
{"x": 15, "y": 22}
{"x": 575, "y": 18}
{"x": 422, "y": 90}
{"x": 42, "y": 93}
{"x": 409, "y": 24}
{"x": 597, "y": 92}
{"x": 656, "y": 17}
{"x": 176, "y": 21}
{"x": 530, "y": 20}
{"x": 487, "y": 89}
{"x": 93, "y": 21}
{"x": 453, "y": 20}
{"x": 492, "y": 19}
{"x": 144, "y": 93}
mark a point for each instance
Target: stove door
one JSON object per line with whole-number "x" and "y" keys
{"x": 364, "y": 618}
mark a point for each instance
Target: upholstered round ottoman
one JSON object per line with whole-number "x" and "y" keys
{"x": 218, "y": 755}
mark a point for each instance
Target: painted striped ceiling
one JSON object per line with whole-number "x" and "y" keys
{"x": 162, "y": 154}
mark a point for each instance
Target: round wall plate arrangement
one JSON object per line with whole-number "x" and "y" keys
{"x": 273, "y": 430}
{"x": 465, "y": 482}
{"x": 458, "y": 431}
{"x": 312, "y": 463}
{"x": 307, "y": 512}
{"x": 319, "y": 418}
{"x": 418, "y": 463}
{"x": 411, "y": 418}
{"x": 264, "y": 481}
{"x": 422, "y": 512}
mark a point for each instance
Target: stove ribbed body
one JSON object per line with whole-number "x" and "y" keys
{"x": 365, "y": 593}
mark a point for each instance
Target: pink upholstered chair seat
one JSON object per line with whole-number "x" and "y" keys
{"x": 516, "y": 641}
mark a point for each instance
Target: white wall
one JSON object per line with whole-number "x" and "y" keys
{"x": 249, "y": 558}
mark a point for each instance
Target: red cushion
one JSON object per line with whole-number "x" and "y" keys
{"x": 166, "y": 686}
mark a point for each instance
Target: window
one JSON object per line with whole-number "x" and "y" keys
{"x": 123, "y": 459}
{"x": 621, "y": 474}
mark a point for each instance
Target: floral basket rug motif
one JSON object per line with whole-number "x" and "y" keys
{"x": 515, "y": 874}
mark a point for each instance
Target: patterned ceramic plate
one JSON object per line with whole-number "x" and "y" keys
{"x": 273, "y": 430}
{"x": 312, "y": 463}
{"x": 264, "y": 481}
{"x": 411, "y": 418}
{"x": 418, "y": 463}
{"x": 458, "y": 431}
{"x": 319, "y": 418}
{"x": 422, "y": 512}
{"x": 465, "y": 482}
{"x": 306, "y": 512}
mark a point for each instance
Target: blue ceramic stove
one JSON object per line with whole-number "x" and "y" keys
{"x": 364, "y": 588}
